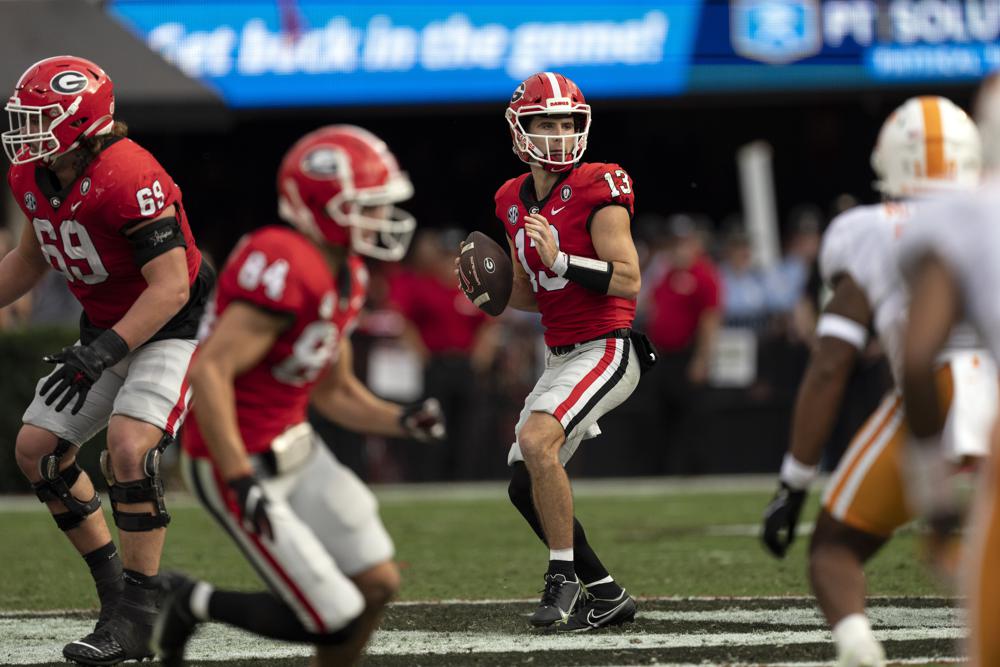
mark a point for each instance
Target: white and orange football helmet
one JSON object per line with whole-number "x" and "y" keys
{"x": 548, "y": 93}
{"x": 927, "y": 144}
{"x": 56, "y": 102}
{"x": 327, "y": 179}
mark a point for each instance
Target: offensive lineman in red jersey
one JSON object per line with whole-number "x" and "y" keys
{"x": 102, "y": 211}
{"x": 276, "y": 339}
{"x": 569, "y": 229}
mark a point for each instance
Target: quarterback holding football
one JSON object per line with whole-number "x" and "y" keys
{"x": 568, "y": 225}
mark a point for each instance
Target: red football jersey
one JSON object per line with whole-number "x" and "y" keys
{"x": 81, "y": 227}
{"x": 280, "y": 270}
{"x": 570, "y": 312}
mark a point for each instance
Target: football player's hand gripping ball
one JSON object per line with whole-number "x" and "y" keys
{"x": 781, "y": 519}
{"x": 253, "y": 505}
{"x": 81, "y": 366}
{"x": 423, "y": 421}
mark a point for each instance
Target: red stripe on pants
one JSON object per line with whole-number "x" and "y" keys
{"x": 610, "y": 349}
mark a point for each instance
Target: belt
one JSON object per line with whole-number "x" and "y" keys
{"x": 559, "y": 350}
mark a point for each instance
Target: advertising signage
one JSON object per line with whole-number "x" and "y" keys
{"x": 266, "y": 53}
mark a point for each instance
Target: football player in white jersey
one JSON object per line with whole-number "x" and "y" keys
{"x": 927, "y": 145}
{"x": 952, "y": 259}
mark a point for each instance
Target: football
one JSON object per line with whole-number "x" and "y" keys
{"x": 485, "y": 273}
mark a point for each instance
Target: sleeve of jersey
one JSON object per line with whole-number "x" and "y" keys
{"x": 143, "y": 191}
{"x": 613, "y": 186}
{"x": 844, "y": 249}
{"x": 264, "y": 275}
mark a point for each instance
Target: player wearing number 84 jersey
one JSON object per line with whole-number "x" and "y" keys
{"x": 104, "y": 213}
{"x": 276, "y": 340}
{"x": 569, "y": 228}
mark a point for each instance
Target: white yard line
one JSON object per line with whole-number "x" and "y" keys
{"x": 27, "y": 639}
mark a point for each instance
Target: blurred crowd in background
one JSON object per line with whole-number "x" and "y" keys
{"x": 733, "y": 337}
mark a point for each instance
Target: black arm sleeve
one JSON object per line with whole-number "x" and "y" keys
{"x": 594, "y": 274}
{"x": 156, "y": 238}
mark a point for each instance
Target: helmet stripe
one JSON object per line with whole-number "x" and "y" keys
{"x": 554, "y": 82}
{"x": 933, "y": 138}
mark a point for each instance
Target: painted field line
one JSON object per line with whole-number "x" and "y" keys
{"x": 27, "y": 641}
{"x": 893, "y": 617}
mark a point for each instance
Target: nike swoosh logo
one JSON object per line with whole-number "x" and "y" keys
{"x": 556, "y": 210}
{"x": 595, "y": 619}
{"x": 72, "y": 209}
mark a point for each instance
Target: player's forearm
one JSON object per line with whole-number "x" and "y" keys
{"x": 354, "y": 407}
{"x": 816, "y": 408}
{"x": 920, "y": 398}
{"x": 215, "y": 406}
{"x": 157, "y": 304}
{"x": 18, "y": 275}
{"x": 625, "y": 280}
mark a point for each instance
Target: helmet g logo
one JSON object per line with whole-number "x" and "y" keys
{"x": 68, "y": 83}
{"x": 518, "y": 93}
{"x": 323, "y": 162}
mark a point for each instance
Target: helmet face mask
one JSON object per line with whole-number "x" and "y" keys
{"x": 340, "y": 185}
{"x": 927, "y": 145}
{"x": 548, "y": 94}
{"x": 56, "y": 102}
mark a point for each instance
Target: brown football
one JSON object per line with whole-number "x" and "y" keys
{"x": 485, "y": 273}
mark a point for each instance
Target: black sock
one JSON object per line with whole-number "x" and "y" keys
{"x": 589, "y": 566}
{"x": 141, "y": 594}
{"x": 266, "y": 615}
{"x": 563, "y": 567}
{"x": 106, "y": 569}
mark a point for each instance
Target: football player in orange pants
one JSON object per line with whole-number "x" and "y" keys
{"x": 865, "y": 502}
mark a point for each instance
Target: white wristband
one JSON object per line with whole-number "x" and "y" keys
{"x": 560, "y": 264}
{"x": 795, "y": 474}
{"x": 844, "y": 328}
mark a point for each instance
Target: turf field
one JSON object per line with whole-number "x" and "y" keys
{"x": 471, "y": 567}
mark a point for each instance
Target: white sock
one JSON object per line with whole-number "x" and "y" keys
{"x": 854, "y": 632}
{"x": 605, "y": 580}
{"x": 200, "y": 595}
{"x": 561, "y": 554}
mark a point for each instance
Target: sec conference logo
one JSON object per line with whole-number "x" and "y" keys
{"x": 775, "y": 31}
{"x": 512, "y": 214}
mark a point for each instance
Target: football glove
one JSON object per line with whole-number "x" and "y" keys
{"x": 781, "y": 518}
{"x": 81, "y": 366}
{"x": 253, "y": 505}
{"x": 423, "y": 421}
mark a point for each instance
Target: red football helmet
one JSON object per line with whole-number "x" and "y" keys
{"x": 548, "y": 93}
{"x": 330, "y": 175}
{"x": 55, "y": 103}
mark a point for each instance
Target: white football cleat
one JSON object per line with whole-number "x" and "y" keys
{"x": 856, "y": 645}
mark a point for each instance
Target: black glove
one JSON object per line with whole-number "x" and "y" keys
{"x": 782, "y": 516}
{"x": 81, "y": 367}
{"x": 253, "y": 505}
{"x": 423, "y": 421}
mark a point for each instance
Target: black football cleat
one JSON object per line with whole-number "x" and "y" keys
{"x": 559, "y": 598}
{"x": 175, "y": 624}
{"x": 119, "y": 639}
{"x": 597, "y": 613}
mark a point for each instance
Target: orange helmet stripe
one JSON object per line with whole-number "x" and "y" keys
{"x": 933, "y": 138}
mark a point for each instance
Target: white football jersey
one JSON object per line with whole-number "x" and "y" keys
{"x": 964, "y": 231}
{"x": 864, "y": 243}
{"x": 870, "y": 244}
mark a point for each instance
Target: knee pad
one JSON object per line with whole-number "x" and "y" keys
{"x": 148, "y": 489}
{"x": 56, "y": 484}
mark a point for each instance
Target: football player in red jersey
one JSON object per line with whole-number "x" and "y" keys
{"x": 102, "y": 211}
{"x": 569, "y": 227}
{"x": 277, "y": 338}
